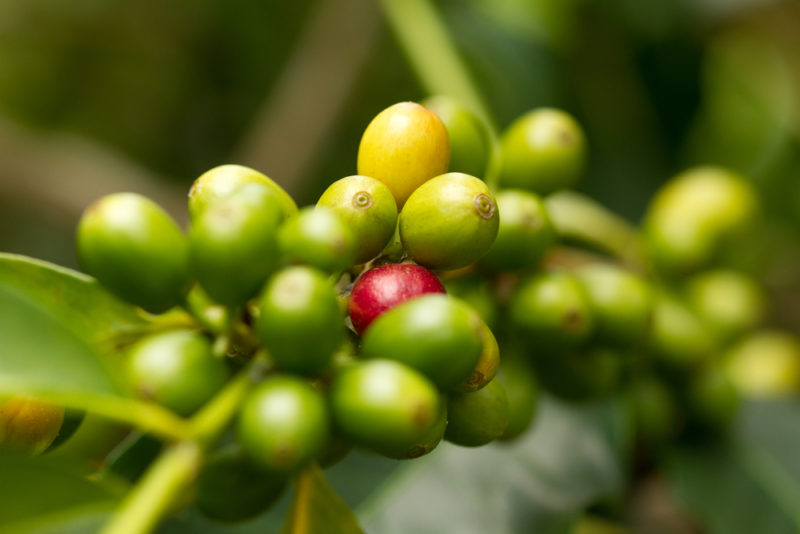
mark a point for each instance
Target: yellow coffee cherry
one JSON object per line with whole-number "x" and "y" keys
{"x": 28, "y": 425}
{"x": 404, "y": 146}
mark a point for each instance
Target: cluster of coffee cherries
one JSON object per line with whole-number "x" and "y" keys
{"x": 381, "y": 312}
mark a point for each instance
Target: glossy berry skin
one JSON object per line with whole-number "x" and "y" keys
{"x": 525, "y": 233}
{"x": 470, "y": 142}
{"x": 28, "y": 425}
{"x": 488, "y": 362}
{"x": 404, "y": 146}
{"x": 679, "y": 338}
{"x": 368, "y": 208}
{"x": 449, "y": 222}
{"x": 621, "y": 303}
{"x": 384, "y": 405}
{"x": 220, "y": 182}
{"x": 176, "y": 369}
{"x": 135, "y": 250}
{"x": 543, "y": 150}
{"x": 299, "y": 320}
{"x": 283, "y": 423}
{"x": 231, "y": 489}
{"x": 697, "y": 217}
{"x": 478, "y": 417}
{"x": 551, "y": 312}
{"x": 384, "y": 287}
{"x": 435, "y": 334}
{"x": 234, "y": 244}
{"x": 318, "y": 237}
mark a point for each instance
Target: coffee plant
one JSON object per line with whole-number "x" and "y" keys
{"x": 454, "y": 293}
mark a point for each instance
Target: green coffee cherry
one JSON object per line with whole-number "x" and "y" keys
{"x": 234, "y": 243}
{"x": 488, "y": 362}
{"x": 679, "y": 338}
{"x": 543, "y": 150}
{"x": 404, "y": 146}
{"x": 435, "y": 334}
{"x": 449, "y": 222}
{"x": 477, "y": 418}
{"x": 222, "y": 181}
{"x": 320, "y": 238}
{"x": 713, "y": 401}
{"x": 621, "y": 303}
{"x": 368, "y": 208}
{"x": 477, "y": 293}
{"x": 283, "y": 424}
{"x": 525, "y": 233}
{"x": 176, "y": 369}
{"x": 551, "y": 312}
{"x": 470, "y": 142}
{"x": 696, "y": 216}
{"x": 522, "y": 391}
{"x": 299, "y": 320}
{"x": 655, "y": 413}
{"x": 135, "y": 250}
{"x": 427, "y": 442}
{"x": 231, "y": 489}
{"x": 578, "y": 376}
{"x": 765, "y": 364}
{"x": 385, "y": 406}
{"x": 28, "y": 425}
{"x": 730, "y": 302}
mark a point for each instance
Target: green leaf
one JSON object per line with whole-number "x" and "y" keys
{"x": 78, "y": 301}
{"x": 571, "y": 458}
{"x": 46, "y": 495}
{"x": 39, "y": 356}
{"x": 317, "y": 508}
{"x": 751, "y": 483}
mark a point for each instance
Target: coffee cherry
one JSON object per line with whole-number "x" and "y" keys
{"x": 477, "y": 418}
{"x": 449, "y": 221}
{"x": 470, "y": 143}
{"x": 28, "y": 425}
{"x": 696, "y": 216}
{"x": 488, "y": 362}
{"x": 551, "y": 312}
{"x": 522, "y": 391}
{"x": 543, "y": 150}
{"x": 765, "y": 364}
{"x": 476, "y": 292}
{"x": 404, "y": 146}
{"x": 176, "y": 369}
{"x": 679, "y": 338}
{"x": 299, "y": 320}
{"x": 135, "y": 250}
{"x": 427, "y": 442}
{"x": 435, "y": 334}
{"x": 368, "y": 208}
{"x": 222, "y": 181}
{"x": 231, "y": 489}
{"x": 318, "y": 237}
{"x": 385, "y": 406}
{"x": 713, "y": 401}
{"x": 384, "y": 287}
{"x": 621, "y": 303}
{"x": 581, "y": 375}
{"x": 730, "y": 302}
{"x": 234, "y": 243}
{"x": 655, "y": 413}
{"x": 525, "y": 233}
{"x": 283, "y": 424}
